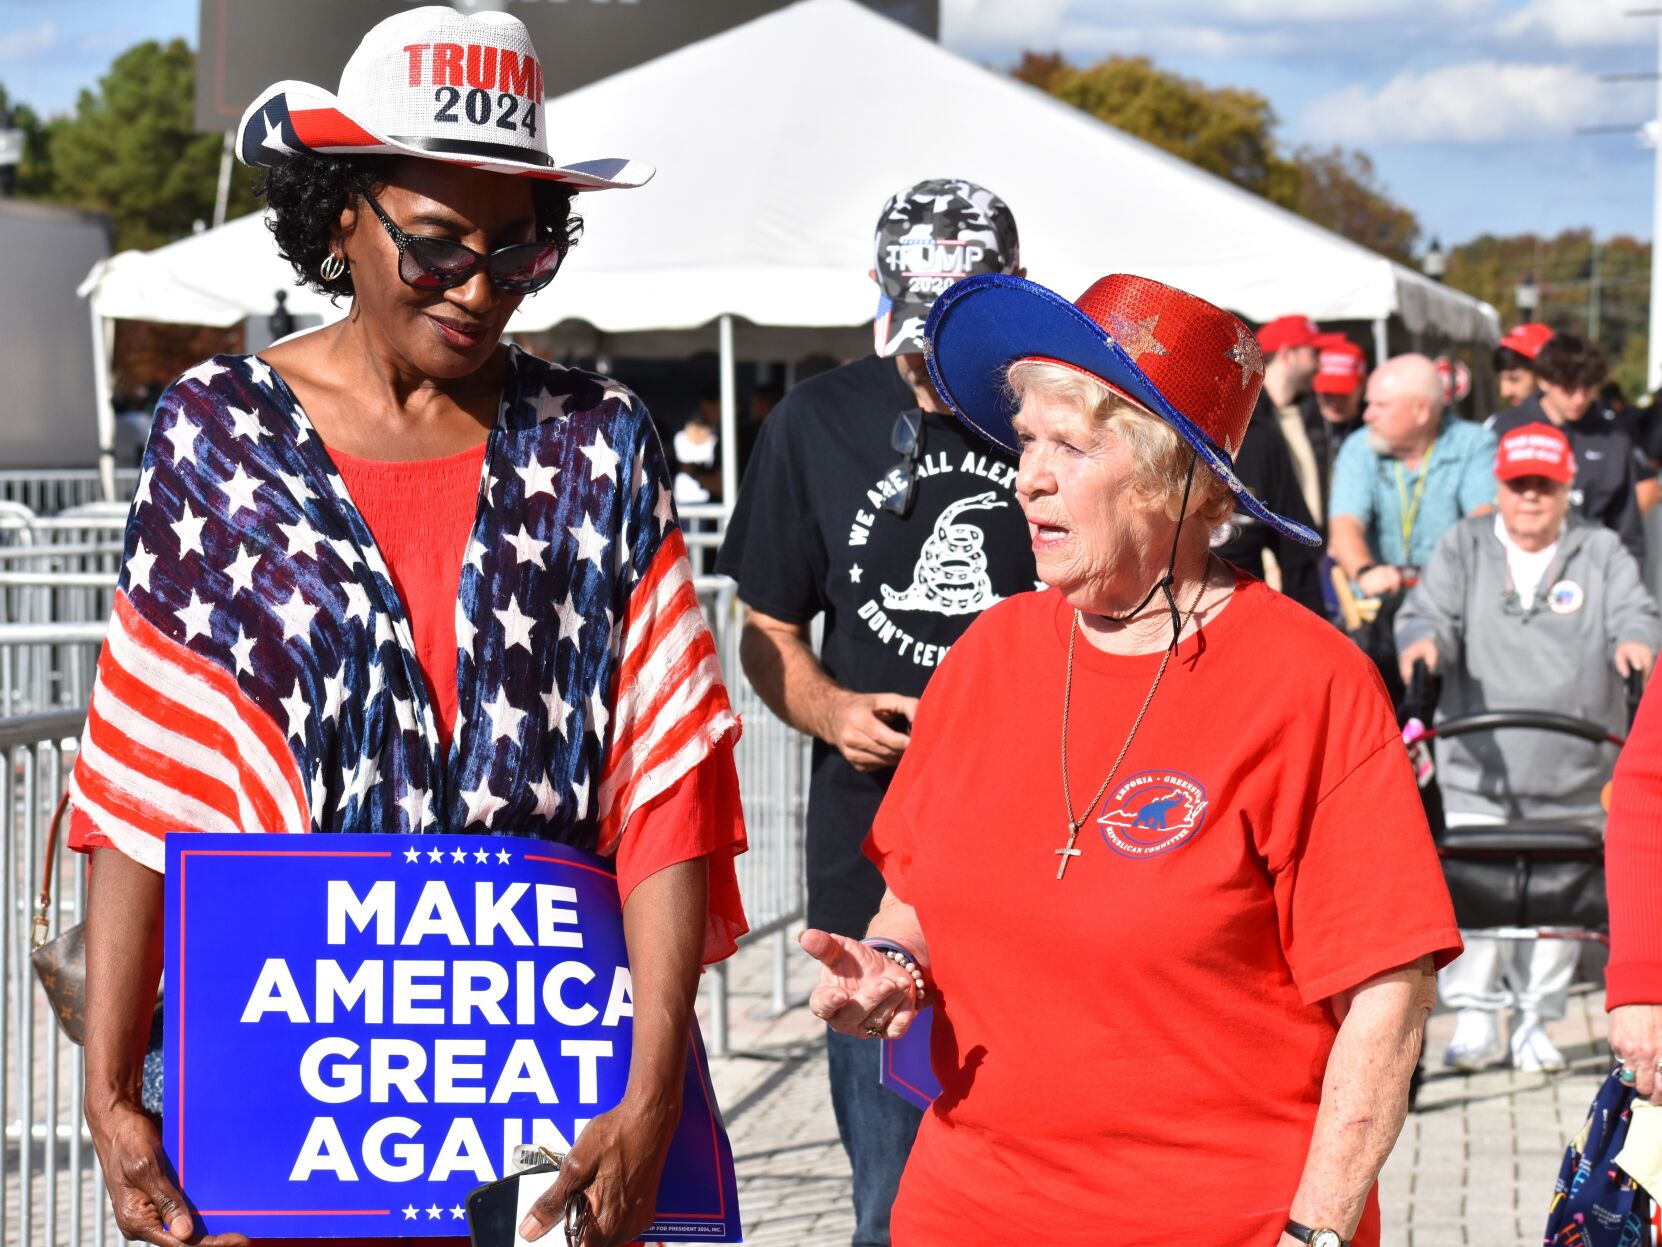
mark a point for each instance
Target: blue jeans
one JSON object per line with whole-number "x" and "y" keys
{"x": 877, "y": 1128}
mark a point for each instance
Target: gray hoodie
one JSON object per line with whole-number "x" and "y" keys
{"x": 1557, "y": 655}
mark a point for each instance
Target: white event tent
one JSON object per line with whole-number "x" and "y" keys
{"x": 777, "y": 142}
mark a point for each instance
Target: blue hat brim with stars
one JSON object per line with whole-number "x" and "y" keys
{"x": 981, "y": 325}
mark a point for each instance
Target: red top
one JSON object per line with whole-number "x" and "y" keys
{"x": 1151, "y": 1027}
{"x": 421, "y": 515}
{"x": 1633, "y": 864}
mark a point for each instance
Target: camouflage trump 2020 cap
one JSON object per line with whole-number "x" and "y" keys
{"x": 930, "y": 235}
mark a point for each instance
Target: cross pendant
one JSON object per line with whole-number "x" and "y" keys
{"x": 1070, "y": 851}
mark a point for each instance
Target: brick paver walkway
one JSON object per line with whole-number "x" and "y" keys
{"x": 1474, "y": 1166}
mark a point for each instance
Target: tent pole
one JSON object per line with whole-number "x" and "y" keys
{"x": 729, "y": 420}
{"x": 1381, "y": 341}
{"x": 103, "y": 331}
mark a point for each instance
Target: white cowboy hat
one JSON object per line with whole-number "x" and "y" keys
{"x": 435, "y": 84}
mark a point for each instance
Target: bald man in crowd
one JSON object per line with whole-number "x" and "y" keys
{"x": 1404, "y": 477}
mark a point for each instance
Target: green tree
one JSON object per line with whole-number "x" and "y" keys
{"x": 33, "y": 178}
{"x": 129, "y": 150}
{"x": 1231, "y": 133}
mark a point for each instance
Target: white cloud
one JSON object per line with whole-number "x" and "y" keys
{"x": 1476, "y": 102}
{"x": 1577, "y": 24}
{"x": 18, "y": 45}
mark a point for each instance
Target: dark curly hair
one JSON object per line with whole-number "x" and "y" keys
{"x": 307, "y": 194}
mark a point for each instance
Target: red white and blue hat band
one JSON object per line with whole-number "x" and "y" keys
{"x": 434, "y": 84}
{"x": 1208, "y": 361}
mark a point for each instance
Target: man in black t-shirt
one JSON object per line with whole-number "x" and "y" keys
{"x": 866, "y": 503}
{"x": 1608, "y": 466}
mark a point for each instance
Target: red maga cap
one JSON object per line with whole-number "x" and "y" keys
{"x": 1287, "y": 331}
{"x": 1341, "y": 368}
{"x": 1528, "y": 339}
{"x": 1535, "y": 450}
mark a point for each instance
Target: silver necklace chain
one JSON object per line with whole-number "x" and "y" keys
{"x": 1067, "y": 703}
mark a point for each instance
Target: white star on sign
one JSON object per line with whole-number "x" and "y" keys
{"x": 503, "y": 856}
{"x": 527, "y": 548}
{"x": 590, "y": 544}
{"x": 457, "y": 1211}
{"x": 437, "y": 855}
{"x": 188, "y": 528}
{"x": 458, "y": 855}
{"x": 197, "y": 617}
{"x": 297, "y": 615}
{"x": 297, "y": 708}
{"x": 240, "y": 570}
{"x": 243, "y": 652}
{"x": 258, "y": 372}
{"x": 410, "y": 1212}
{"x": 482, "y": 804}
{"x": 245, "y": 424}
{"x": 183, "y": 436}
{"x": 559, "y": 710}
{"x": 538, "y": 479}
{"x": 603, "y": 460}
{"x": 203, "y": 373}
{"x": 548, "y": 801}
{"x": 302, "y": 538}
{"x": 411, "y": 854}
{"x": 138, "y": 569}
{"x": 481, "y": 857}
{"x": 434, "y": 1211}
{"x": 357, "y": 602}
{"x": 854, "y": 574}
{"x": 465, "y": 631}
{"x": 240, "y": 490}
{"x": 571, "y": 621}
{"x": 141, "y": 495}
{"x": 505, "y": 720}
{"x": 517, "y": 624}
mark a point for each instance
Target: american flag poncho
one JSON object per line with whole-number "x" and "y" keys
{"x": 260, "y": 675}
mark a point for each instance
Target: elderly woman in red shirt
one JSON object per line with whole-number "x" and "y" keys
{"x": 1178, "y": 989}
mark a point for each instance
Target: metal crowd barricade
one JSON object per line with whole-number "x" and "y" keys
{"x": 52, "y": 1192}
{"x": 773, "y": 762}
{"x": 47, "y": 491}
{"x": 57, "y": 588}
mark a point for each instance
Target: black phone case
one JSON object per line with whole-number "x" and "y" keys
{"x": 492, "y": 1210}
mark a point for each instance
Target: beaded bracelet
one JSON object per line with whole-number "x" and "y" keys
{"x": 897, "y": 953}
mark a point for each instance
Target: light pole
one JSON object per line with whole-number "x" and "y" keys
{"x": 1654, "y": 372}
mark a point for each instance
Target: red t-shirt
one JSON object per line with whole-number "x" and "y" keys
{"x": 1633, "y": 863}
{"x": 1134, "y": 1054}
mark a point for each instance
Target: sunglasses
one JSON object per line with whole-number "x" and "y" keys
{"x": 907, "y": 438}
{"x": 428, "y": 263}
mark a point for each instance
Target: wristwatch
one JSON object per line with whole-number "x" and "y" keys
{"x": 1316, "y": 1238}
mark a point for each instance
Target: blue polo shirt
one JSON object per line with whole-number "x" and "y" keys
{"x": 1460, "y": 478}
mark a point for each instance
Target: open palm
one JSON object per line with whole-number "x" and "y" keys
{"x": 860, "y": 991}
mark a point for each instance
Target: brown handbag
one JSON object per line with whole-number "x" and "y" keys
{"x": 60, "y": 963}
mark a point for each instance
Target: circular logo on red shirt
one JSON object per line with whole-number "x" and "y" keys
{"x": 1152, "y": 813}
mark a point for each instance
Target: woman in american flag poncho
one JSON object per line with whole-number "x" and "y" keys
{"x": 395, "y": 576}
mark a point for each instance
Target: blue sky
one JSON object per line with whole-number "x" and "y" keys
{"x": 1468, "y": 107}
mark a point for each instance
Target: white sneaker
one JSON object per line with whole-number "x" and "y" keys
{"x": 1532, "y": 1051}
{"x": 1476, "y": 1044}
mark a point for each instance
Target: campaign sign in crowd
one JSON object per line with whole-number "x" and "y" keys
{"x": 361, "y": 1029}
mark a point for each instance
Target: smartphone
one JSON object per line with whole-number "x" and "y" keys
{"x": 495, "y": 1210}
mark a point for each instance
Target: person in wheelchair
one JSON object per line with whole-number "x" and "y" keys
{"x": 1522, "y": 610}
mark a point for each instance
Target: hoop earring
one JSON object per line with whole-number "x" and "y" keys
{"x": 331, "y": 268}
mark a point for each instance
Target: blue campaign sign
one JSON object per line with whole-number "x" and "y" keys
{"x": 906, "y": 1070}
{"x": 361, "y": 1029}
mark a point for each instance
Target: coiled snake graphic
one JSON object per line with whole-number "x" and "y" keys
{"x": 950, "y": 576}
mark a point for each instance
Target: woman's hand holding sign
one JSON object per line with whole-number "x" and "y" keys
{"x": 149, "y": 1208}
{"x": 614, "y": 1169}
